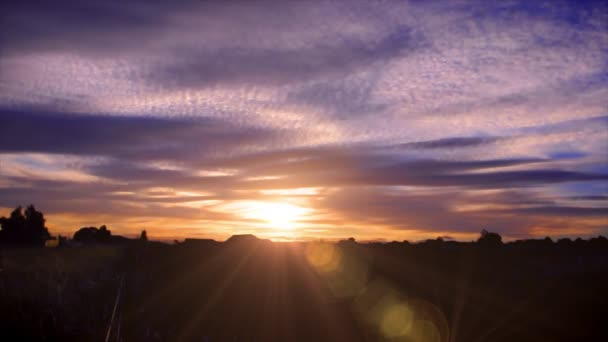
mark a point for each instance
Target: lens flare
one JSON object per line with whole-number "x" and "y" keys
{"x": 397, "y": 320}
{"x": 324, "y": 257}
{"x": 344, "y": 273}
{"x": 424, "y": 331}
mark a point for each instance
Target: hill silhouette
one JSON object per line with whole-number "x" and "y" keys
{"x": 245, "y": 239}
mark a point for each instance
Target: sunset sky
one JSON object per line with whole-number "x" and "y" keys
{"x": 380, "y": 120}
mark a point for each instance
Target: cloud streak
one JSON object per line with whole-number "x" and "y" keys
{"x": 145, "y": 138}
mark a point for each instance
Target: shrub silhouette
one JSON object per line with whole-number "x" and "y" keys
{"x": 24, "y": 228}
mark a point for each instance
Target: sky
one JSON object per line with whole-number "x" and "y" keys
{"x": 295, "y": 120}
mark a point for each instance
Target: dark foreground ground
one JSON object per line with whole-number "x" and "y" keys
{"x": 253, "y": 290}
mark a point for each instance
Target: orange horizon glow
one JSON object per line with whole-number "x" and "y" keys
{"x": 263, "y": 225}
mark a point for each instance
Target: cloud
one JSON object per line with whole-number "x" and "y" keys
{"x": 455, "y": 142}
{"x": 437, "y": 212}
{"x": 360, "y": 170}
{"x": 559, "y": 211}
{"x": 277, "y": 66}
{"x": 567, "y": 155}
{"x": 68, "y": 24}
{"x": 599, "y": 122}
{"x": 343, "y": 98}
{"x": 590, "y": 198}
{"x": 141, "y": 137}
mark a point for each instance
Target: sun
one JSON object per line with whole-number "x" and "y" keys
{"x": 278, "y": 215}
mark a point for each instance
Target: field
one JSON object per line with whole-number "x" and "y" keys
{"x": 256, "y": 290}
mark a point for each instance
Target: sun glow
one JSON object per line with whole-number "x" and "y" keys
{"x": 277, "y": 215}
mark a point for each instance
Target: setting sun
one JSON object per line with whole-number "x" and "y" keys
{"x": 276, "y": 215}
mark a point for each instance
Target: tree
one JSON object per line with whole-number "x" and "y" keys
{"x": 24, "y": 228}
{"x": 143, "y": 236}
{"x": 93, "y": 235}
{"x": 489, "y": 239}
{"x": 104, "y": 233}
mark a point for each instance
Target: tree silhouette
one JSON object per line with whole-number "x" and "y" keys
{"x": 489, "y": 239}
{"x": 93, "y": 235}
{"x": 104, "y": 233}
{"x": 24, "y": 228}
{"x": 143, "y": 236}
